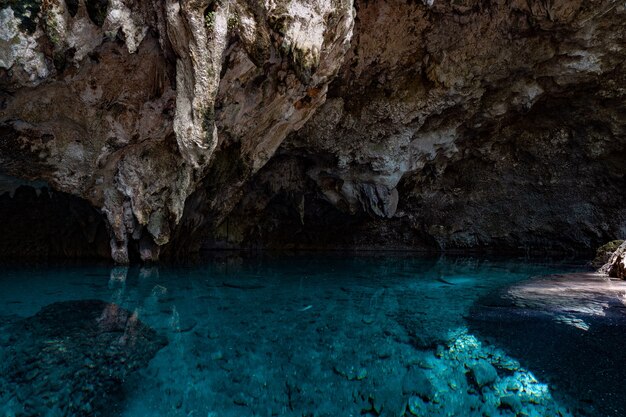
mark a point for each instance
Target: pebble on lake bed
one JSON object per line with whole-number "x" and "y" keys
{"x": 483, "y": 373}
{"x": 72, "y": 357}
{"x": 351, "y": 373}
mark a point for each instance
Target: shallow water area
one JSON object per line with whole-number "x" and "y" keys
{"x": 319, "y": 335}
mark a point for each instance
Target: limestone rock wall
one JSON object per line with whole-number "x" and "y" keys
{"x": 119, "y": 102}
{"x": 459, "y": 125}
{"x": 289, "y": 123}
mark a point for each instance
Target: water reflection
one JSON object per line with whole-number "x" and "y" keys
{"x": 70, "y": 359}
{"x": 321, "y": 336}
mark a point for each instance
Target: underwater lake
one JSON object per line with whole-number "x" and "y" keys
{"x": 317, "y": 335}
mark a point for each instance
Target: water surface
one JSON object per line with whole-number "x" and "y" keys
{"x": 278, "y": 336}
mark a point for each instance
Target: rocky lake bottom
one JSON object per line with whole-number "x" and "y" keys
{"x": 319, "y": 335}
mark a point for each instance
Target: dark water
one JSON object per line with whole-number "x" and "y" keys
{"x": 299, "y": 336}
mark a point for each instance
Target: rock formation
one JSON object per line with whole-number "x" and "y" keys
{"x": 616, "y": 265}
{"x": 328, "y": 123}
{"x": 604, "y": 253}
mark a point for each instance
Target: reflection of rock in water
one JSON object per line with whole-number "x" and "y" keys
{"x": 72, "y": 358}
{"x": 568, "y": 329}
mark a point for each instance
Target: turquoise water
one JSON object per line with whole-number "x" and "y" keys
{"x": 293, "y": 336}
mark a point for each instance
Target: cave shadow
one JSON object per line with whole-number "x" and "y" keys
{"x": 585, "y": 369}
{"x": 38, "y": 223}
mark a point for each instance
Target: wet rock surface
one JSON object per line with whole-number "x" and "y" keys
{"x": 553, "y": 324}
{"x": 72, "y": 358}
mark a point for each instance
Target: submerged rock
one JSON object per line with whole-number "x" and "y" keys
{"x": 351, "y": 373}
{"x": 416, "y": 406}
{"x": 416, "y": 382}
{"x": 483, "y": 373}
{"x": 72, "y": 358}
{"x": 512, "y": 402}
{"x": 551, "y": 324}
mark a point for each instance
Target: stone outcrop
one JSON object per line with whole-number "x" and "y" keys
{"x": 117, "y": 102}
{"x": 459, "y": 127}
{"x": 422, "y": 125}
{"x": 616, "y": 265}
{"x": 604, "y": 253}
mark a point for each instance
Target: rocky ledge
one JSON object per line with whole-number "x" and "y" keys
{"x": 616, "y": 265}
{"x": 430, "y": 125}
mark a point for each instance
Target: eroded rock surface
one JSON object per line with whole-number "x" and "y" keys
{"x": 616, "y": 265}
{"x": 604, "y": 253}
{"x": 458, "y": 126}
{"x": 429, "y": 125}
{"x": 117, "y": 102}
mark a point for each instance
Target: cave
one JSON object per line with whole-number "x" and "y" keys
{"x": 312, "y": 208}
{"x": 40, "y": 224}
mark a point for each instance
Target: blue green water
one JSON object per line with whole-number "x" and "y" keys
{"x": 278, "y": 336}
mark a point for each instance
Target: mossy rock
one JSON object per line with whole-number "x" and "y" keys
{"x": 604, "y": 252}
{"x": 617, "y": 266}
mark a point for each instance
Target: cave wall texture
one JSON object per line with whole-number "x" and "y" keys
{"x": 164, "y": 127}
